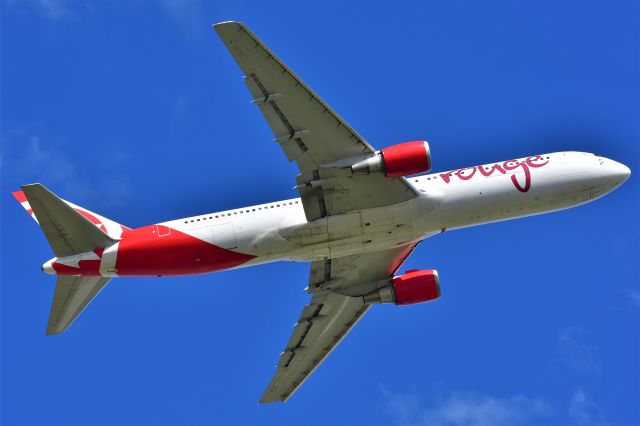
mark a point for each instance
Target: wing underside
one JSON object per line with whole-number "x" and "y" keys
{"x": 337, "y": 286}
{"x": 323, "y": 146}
{"x": 310, "y": 133}
{"x": 324, "y": 322}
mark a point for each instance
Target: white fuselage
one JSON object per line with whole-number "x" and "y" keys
{"x": 451, "y": 200}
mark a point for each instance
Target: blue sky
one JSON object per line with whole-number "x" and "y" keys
{"x": 135, "y": 110}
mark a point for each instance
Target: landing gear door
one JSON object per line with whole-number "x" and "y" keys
{"x": 224, "y": 236}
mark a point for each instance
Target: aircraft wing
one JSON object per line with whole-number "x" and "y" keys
{"x": 310, "y": 132}
{"x": 337, "y": 286}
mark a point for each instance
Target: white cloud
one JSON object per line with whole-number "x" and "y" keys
{"x": 51, "y": 9}
{"x": 576, "y": 354}
{"x": 47, "y": 162}
{"x": 55, "y": 9}
{"x": 30, "y": 160}
{"x": 403, "y": 407}
{"x": 584, "y": 411}
{"x": 633, "y": 296}
{"x": 188, "y": 14}
{"x": 465, "y": 409}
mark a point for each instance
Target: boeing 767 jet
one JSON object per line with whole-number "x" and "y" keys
{"x": 356, "y": 221}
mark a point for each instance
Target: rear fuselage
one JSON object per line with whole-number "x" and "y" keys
{"x": 280, "y": 230}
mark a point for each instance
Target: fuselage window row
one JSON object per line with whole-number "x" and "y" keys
{"x": 241, "y": 212}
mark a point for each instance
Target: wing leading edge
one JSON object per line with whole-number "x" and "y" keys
{"x": 331, "y": 314}
{"x": 324, "y": 146}
{"x": 324, "y": 322}
{"x": 310, "y": 133}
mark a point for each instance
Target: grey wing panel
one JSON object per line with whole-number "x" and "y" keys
{"x": 309, "y": 132}
{"x": 358, "y": 274}
{"x": 306, "y": 128}
{"x": 67, "y": 231}
{"x": 323, "y": 324}
{"x": 71, "y": 296}
{"x": 336, "y": 306}
{"x": 327, "y": 192}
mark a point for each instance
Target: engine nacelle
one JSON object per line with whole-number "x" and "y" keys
{"x": 412, "y": 287}
{"x": 404, "y": 159}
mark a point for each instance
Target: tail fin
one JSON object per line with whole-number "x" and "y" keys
{"x": 72, "y": 295}
{"x": 68, "y": 228}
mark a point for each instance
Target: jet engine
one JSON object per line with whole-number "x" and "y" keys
{"x": 404, "y": 159}
{"x": 415, "y": 286}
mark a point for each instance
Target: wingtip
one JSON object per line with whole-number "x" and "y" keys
{"x": 226, "y": 24}
{"x": 268, "y": 401}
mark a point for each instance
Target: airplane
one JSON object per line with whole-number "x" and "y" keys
{"x": 360, "y": 214}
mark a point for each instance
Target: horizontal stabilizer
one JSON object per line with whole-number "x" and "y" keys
{"x": 72, "y": 295}
{"x": 67, "y": 231}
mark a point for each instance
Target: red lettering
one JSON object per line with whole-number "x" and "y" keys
{"x": 506, "y": 166}
{"x": 493, "y": 169}
{"x": 530, "y": 161}
{"x": 527, "y": 180}
{"x": 469, "y": 176}
{"x": 510, "y": 167}
{"x": 514, "y": 179}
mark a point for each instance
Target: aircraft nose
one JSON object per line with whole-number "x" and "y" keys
{"x": 606, "y": 176}
{"x": 619, "y": 171}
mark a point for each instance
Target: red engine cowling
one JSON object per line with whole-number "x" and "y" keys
{"x": 404, "y": 159}
{"x": 416, "y": 287}
{"x": 412, "y": 287}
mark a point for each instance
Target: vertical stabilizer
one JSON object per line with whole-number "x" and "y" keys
{"x": 70, "y": 230}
